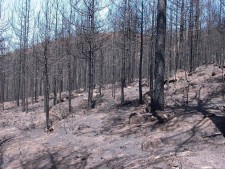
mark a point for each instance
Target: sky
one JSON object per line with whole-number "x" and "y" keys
{"x": 9, "y": 5}
{"x": 13, "y": 6}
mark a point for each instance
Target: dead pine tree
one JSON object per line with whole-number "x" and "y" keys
{"x": 2, "y": 77}
{"x": 190, "y": 32}
{"x": 152, "y": 57}
{"x": 90, "y": 42}
{"x": 158, "y": 97}
{"x": 25, "y": 13}
{"x": 68, "y": 45}
{"x": 45, "y": 29}
{"x": 141, "y": 54}
{"x": 124, "y": 49}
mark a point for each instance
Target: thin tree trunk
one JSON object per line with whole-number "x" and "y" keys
{"x": 70, "y": 82}
{"x": 191, "y": 57}
{"x": 113, "y": 78}
{"x": 123, "y": 76}
{"x": 46, "y": 87}
{"x": 181, "y": 35}
{"x": 101, "y": 72}
{"x": 54, "y": 90}
{"x": 141, "y": 55}
{"x": 152, "y": 64}
{"x": 90, "y": 82}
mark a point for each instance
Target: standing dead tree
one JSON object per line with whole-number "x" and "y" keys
{"x": 90, "y": 41}
{"x": 44, "y": 26}
{"x": 158, "y": 96}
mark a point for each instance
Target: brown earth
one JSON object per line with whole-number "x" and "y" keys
{"x": 109, "y": 136}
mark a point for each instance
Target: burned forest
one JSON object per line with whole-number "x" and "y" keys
{"x": 107, "y": 84}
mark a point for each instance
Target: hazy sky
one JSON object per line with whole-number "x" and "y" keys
{"x": 13, "y": 7}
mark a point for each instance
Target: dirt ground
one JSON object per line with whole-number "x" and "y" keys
{"x": 105, "y": 138}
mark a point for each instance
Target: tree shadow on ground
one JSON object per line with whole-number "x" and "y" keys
{"x": 117, "y": 122}
{"x": 132, "y": 161}
{"x": 206, "y": 106}
{"x": 219, "y": 121}
{"x": 197, "y": 137}
{"x": 2, "y": 143}
{"x": 69, "y": 158}
{"x": 54, "y": 158}
{"x": 202, "y": 106}
{"x": 128, "y": 104}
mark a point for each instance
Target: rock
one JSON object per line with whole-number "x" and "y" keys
{"x": 177, "y": 164}
{"x": 58, "y": 113}
{"x": 162, "y": 116}
{"x": 135, "y": 118}
{"x": 151, "y": 143}
{"x": 149, "y": 117}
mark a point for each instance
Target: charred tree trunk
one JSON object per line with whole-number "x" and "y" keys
{"x": 113, "y": 78}
{"x": 158, "y": 98}
{"x": 180, "y": 50}
{"x": 54, "y": 90}
{"x": 46, "y": 86}
{"x": 141, "y": 55}
{"x": 152, "y": 63}
{"x": 90, "y": 79}
{"x": 191, "y": 57}
{"x": 69, "y": 83}
{"x": 101, "y": 71}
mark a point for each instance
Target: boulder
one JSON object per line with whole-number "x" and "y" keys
{"x": 135, "y": 118}
{"x": 162, "y": 116}
{"x": 151, "y": 143}
{"x": 149, "y": 118}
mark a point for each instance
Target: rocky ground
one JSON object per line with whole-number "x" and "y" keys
{"x": 122, "y": 136}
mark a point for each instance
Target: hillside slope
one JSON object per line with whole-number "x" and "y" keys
{"x": 115, "y": 136}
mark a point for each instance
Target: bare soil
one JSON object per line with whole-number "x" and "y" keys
{"x": 105, "y": 138}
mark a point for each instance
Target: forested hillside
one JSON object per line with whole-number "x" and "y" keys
{"x": 82, "y": 45}
{"x": 64, "y": 60}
